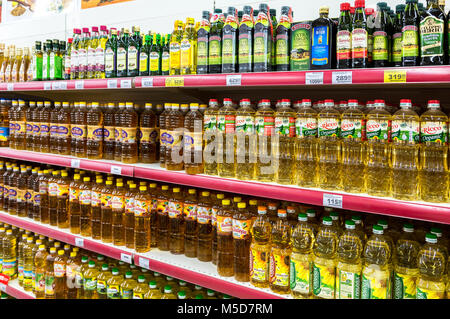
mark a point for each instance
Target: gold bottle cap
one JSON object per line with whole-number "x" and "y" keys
{"x": 142, "y": 188}
{"x": 86, "y": 179}
{"x": 324, "y": 9}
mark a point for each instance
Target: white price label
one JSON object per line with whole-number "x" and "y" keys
{"x": 63, "y": 85}
{"x": 314, "y": 78}
{"x": 3, "y": 287}
{"x": 147, "y": 82}
{"x": 125, "y": 258}
{"x": 234, "y": 80}
{"x": 343, "y": 77}
{"x": 125, "y": 84}
{"x": 112, "y": 84}
{"x": 144, "y": 263}
{"x": 75, "y": 163}
{"x": 47, "y": 85}
{"x": 330, "y": 200}
{"x": 116, "y": 170}
{"x": 10, "y": 86}
{"x": 79, "y": 242}
{"x": 79, "y": 85}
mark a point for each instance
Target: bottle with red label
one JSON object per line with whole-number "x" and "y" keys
{"x": 53, "y": 191}
{"x": 129, "y": 215}
{"x": 217, "y": 205}
{"x": 59, "y": 266}
{"x": 226, "y": 126}
{"x": 176, "y": 222}
{"x": 190, "y": 223}
{"x": 242, "y": 222}
{"x": 359, "y": 38}
{"x": 95, "y": 217}
{"x": 225, "y": 249}
{"x": 344, "y": 38}
{"x": 265, "y": 130}
{"x": 74, "y": 204}
{"x": 162, "y": 219}
{"x": 63, "y": 198}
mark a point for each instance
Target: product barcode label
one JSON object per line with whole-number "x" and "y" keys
{"x": 75, "y": 163}
{"x": 116, "y": 170}
{"x": 79, "y": 242}
{"x": 314, "y": 78}
{"x": 125, "y": 258}
{"x": 125, "y": 84}
{"x": 147, "y": 82}
{"x": 111, "y": 84}
{"x": 234, "y": 80}
{"x": 330, "y": 200}
{"x": 144, "y": 263}
{"x": 47, "y": 85}
{"x": 342, "y": 77}
{"x": 10, "y": 86}
{"x": 79, "y": 85}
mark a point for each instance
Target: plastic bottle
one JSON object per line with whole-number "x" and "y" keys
{"x": 127, "y": 286}
{"x": 129, "y": 123}
{"x": 188, "y": 48}
{"x": 80, "y": 222}
{"x": 5, "y": 180}
{"x": 376, "y": 270}
{"x": 118, "y": 132}
{"x": 79, "y": 130}
{"x": 108, "y": 131}
{"x": 141, "y": 288}
{"x": 204, "y": 237}
{"x": 53, "y": 191}
{"x": 174, "y": 139}
{"x": 95, "y": 210}
{"x": 20, "y": 131}
{"x": 113, "y": 285}
{"x": 54, "y": 128}
{"x": 209, "y": 137}
{"x": 190, "y": 223}
{"x": 225, "y": 249}
{"x": 60, "y": 275}
{"x": 50, "y": 274}
{"x": 241, "y": 242}
{"x": 40, "y": 262}
{"x": 44, "y": 198}
{"x": 193, "y": 153}
{"x": 245, "y": 141}
{"x": 90, "y": 281}
{"x": 226, "y": 146}
{"x": 176, "y": 222}
{"x": 149, "y": 136}
{"x": 94, "y": 141}
{"x": 216, "y": 206}
{"x": 72, "y": 267}
{"x": 21, "y": 193}
{"x": 12, "y": 191}
{"x": 163, "y": 134}
{"x": 106, "y": 212}
{"x": 433, "y": 169}
{"x": 20, "y": 243}
{"x": 102, "y": 279}
{"x": 30, "y": 194}
{"x": 63, "y": 199}
{"x": 260, "y": 247}
{"x": 162, "y": 219}
{"x": 29, "y": 125}
{"x": 153, "y": 292}
{"x": 74, "y": 204}
{"x": 141, "y": 227}
{"x": 129, "y": 215}
{"x": 168, "y": 293}
{"x": 118, "y": 210}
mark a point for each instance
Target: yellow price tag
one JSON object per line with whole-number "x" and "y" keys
{"x": 175, "y": 81}
{"x": 395, "y": 76}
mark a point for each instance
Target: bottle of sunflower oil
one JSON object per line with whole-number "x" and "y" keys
{"x": 188, "y": 49}
{"x": 190, "y": 223}
{"x": 20, "y": 132}
{"x": 94, "y": 121}
{"x": 130, "y": 212}
{"x": 117, "y": 212}
{"x": 54, "y": 127}
{"x": 90, "y": 281}
{"x": 260, "y": 247}
{"x": 329, "y": 147}
{"x": 176, "y": 222}
{"x": 74, "y": 204}
{"x": 60, "y": 275}
{"x": 109, "y": 131}
{"x": 53, "y": 191}
{"x": 280, "y": 252}
{"x": 405, "y": 264}
{"x": 102, "y": 279}
{"x": 245, "y": 141}
{"x": 241, "y": 241}
{"x": 283, "y": 148}
{"x": 50, "y": 274}
{"x": 162, "y": 220}
{"x": 378, "y": 172}
{"x": 302, "y": 258}
{"x": 432, "y": 268}
{"x": 376, "y": 279}
{"x": 225, "y": 251}
{"x": 95, "y": 209}
{"x": 149, "y": 136}
{"x": 193, "y": 151}
{"x": 63, "y": 199}
{"x": 127, "y": 286}
{"x": 30, "y": 124}
{"x": 325, "y": 260}
{"x": 265, "y": 129}
{"x": 129, "y": 122}
{"x": 433, "y": 172}
{"x": 106, "y": 212}
{"x": 118, "y": 132}
{"x": 226, "y": 127}
{"x": 209, "y": 137}
{"x": 217, "y": 205}
{"x": 163, "y": 134}
{"x": 174, "y": 139}
{"x": 405, "y": 152}
{"x": 79, "y": 130}
{"x": 64, "y": 136}
{"x": 204, "y": 239}
{"x": 353, "y": 149}
{"x": 175, "y": 54}
{"x": 141, "y": 229}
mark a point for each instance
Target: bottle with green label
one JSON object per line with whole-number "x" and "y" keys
{"x": 322, "y": 41}
{"x": 165, "y": 55}
{"x": 370, "y": 14}
{"x": 343, "y": 38}
{"x": 262, "y": 42}
{"x": 215, "y": 43}
{"x": 230, "y": 42}
{"x": 203, "y": 44}
{"x": 282, "y": 43}
{"x": 300, "y": 37}
{"x": 111, "y": 55}
{"x": 134, "y": 46}
{"x": 245, "y": 54}
{"x": 122, "y": 50}
{"x": 155, "y": 56}
{"x": 61, "y": 60}
{"x": 397, "y": 36}
{"x": 144, "y": 55}
{"x": 48, "y": 48}
{"x": 37, "y": 62}
{"x": 380, "y": 54}
{"x": 432, "y": 35}
{"x": 273, "y": 23}
{"x": 360, "y": 56}
{"x": 410, "y": 34}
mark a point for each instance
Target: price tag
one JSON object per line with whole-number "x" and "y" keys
{"x": 2, "y": 287}
{"x": 175, "y": 81}
{"x": 147, "y": 82}
{"x": 125, "y": 84}
{"x": 116, "y": 170}
{"x": 63, "y": 85}
{"x": 47, "y": 85}
{"x": 330, "y": 200}
{"x": 234, "y": 80}
{"x": 395, "y": 76}
{"x": 75, "y": 163}
{"x": 4, "y": 280}
{"x": 111, "y": 84}
{"x": 10, "y": 86}
{"x": 79, "y": 242}
{"x": 144, "y": 263}
{"x": 314, "y": 78}
{"x": 125, "y": 258}
{"x": 79, "y": 85}
{"x": 342, "y": 77}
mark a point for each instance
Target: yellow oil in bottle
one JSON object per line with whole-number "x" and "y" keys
{"x": 226, "y": 147}
{"x": 108, "y": 132}
{"x": 153, "y": 292}
{"x": 190, "y": 222}
{"x": 74, "y": 204}
{"x": 63, "y": 199}
{"x": 204, "y": 237}
{"x": 149, "y": 136}
{"x": 96, "y": 209}
{"x": 193, "y": 152}
{"x": 106, "y": 212}
{"x": 280, "y": 253}
{"x": 176, "y": 222}
{"x": 54, "y": 127}
{"x": 260, "y": 249}
{"x": 245, "y": 141}
{"x": 118, "y": 211}
{"x": 102, "y": 279}
{"x": 64, "y": 136}
{"x": 162, "y": 219}
{"x": 265, "y": 130}
{"x": 90, "y": 281}
{"x": 174, "y": 47}
{"x": 94, "y": 141}
{"x": 209, "y": 137}
{"x": 141, "y": 229}
{"x": 225, "y": 251}
{"x": 141, "y": 288}
{"x": 241, "y": 242}
{"x": 53, "y": 191}
{"x": 174, "y": 139}
{"x": 127, "y": 286}
{"x": 118, "y": 132}
{"x": 129, "y": 215}
{"x": 129, "y": 123}
{"x": 188, "y": 49}
{"x": 39, "y": 268}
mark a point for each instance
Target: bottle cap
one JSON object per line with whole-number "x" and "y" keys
{"x": 182, "y": 294}
{"x": 345, "y": 6}
{"x": 141, "y": 188}
{"x": 242, "y": 205}
{"x": 115, "y": 271}
{"x": 190, "y": 190}
{"x": 431, "y": 238}
{"x": 60, "y": 252}
{"x": 262, "y": 210}
{"x": 377, "y": 229}
{"x": 311, "y": 212}
{"x": 205, "y": 194}
{"x": 436, "y": 231}
{"x": 128, "y": 275}
{"x": 408, "y": 228}
{"x": 176, "y": 190}
{"x": 360, "y": 3}
{"x": 433, "y": 104}
{"x": 324, "y": 9}
{"x": 141, "y": 279}
{"x": 282, "y": 213}
{"x": 226, "y": 202}
{"x": 327, "y": 221}
{"x": 350, "y": 224}
{"x": 105, "y": 267}
{"x": 167, "y": 289}
{"x": 302, "y": 217}
{"x": 86, "y": 179}
{"x": 152, "y": 284}
{"x": 165, "y": 187}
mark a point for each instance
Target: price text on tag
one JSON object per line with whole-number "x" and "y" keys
{"x": 234, "y": 80}
{"x": 147, "y": 82}
{"x": 112, "y": 84}
{"x": 47, "y": 85}
{"x": 144, "y": 263}
{"x": 125, "y": 84}
{"x": 174, "y": 81}
{"x": 79, "y": 242}
{"x": 79, "y": 85}
{"x": 343, "y": 77}
{"x": 75, "y": 163}
{"x": 10, "y": 86}
{"x": 314, "y": 78}
{"x": 395, "y": 76}
{"x": 330, "y": 200}
{"x": 116, "y": 170}
{"x": 125, "y": 258}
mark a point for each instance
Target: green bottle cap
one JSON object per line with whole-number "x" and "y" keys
{"x": 141, "y": 279}
{"x": 327, "y": 221}
{"x": 128, "y": 274}
{"x": 377, "y": 229}
{"x": 115, "y": 271}
{"x": 105, "y": 267}
{"x": 302, "y": 217}
{"x": 167, "y": 289}
{"x": 152, "y": 284}
{"x": 199, "y": 296}
{"x": 409, "y": 228}
{"x": 431, "y": 238}
{"x": 437, "y": 231}
{"x": 350, "y": 224}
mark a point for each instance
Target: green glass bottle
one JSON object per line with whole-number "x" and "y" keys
{"x": 134, "y": 46}
{"x": 165, "y": 56}
{"x": 59, "y": 67}
{"x": 380, "y": 55}
{"x": 122, "y": 53}
{"x": 245, "y": 54}
{"x": 215, "y": 43}
{"x": 410, "y": 34}
{"x": 229, "y": 42}
{"x": 282, "y": 43}
{"x": 48, "y": 48}
{"x": 343, "y": 38}
{"x": 203, "y": 44}
{"x": 37, "y": 62}
{"x": 144, "y": 54}
{"x": 111, "y": 55}
{"x": 155, "y": 56}
{"x": 432, "y": 32}
{"x": 360, "y": 56}
{"x": 397, "y": 36}
{"x": 262, "y": 42}
{"x": 274, "y": 24}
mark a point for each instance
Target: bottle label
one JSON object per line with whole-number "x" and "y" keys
{"x": 100, "y": 57}
{"x": 9, "y": 267}
{"x": 224, "y": 224}
{"x": 359, "y": 44}
{"x": 265, "y": 125}
{"x": 320, "y": 45}
{"x": 128, "y": 134}
{"x": 380, "y": 46}
{"x": 165, "y": 62}
{"x": 36, "y": 129}
{"x": 137, "y": 295}
{"x": 154, "y": 61}
{"x": 229, "y": 49}
{"x": 117, "y": 135}
{"x": 44, "y": 67}
{"x": 95, "y": 133}
{"x": 226, "y": 123}
{"x": 101, "y": 287}
{"x": 63, "y": 190}
{"x": 377, "y": 130}
{"x": 126, "y": 294}
{"x": 74, "y": 193}
{"x": 162, "y": 206}
{"x": 215, "y": 50}
{"x": 305, "y": 126}
{"x": 39, "y": 285}
{"x": 109, "y": 60}
{"x": 143, "y": 62}
{"x": 85, "y": 197}
{"x": 405, "y": 131}
{"x": 78, "y": 132}
{"x": 328, "y": 127}
{"x": 344, "y": 45}
{"x": 43, "y": 188}
{"x": 20, "y": 128}
{"x": 53, "y": 189}
{"x": 209, "y": 123}
{"x": 375, "y": 286}
{"x": 175, "y": 57}
{"x": 129, "y": 205}
{"x": 300, "y": 46}
{"x": 175, "y": 209}
{"x": 21, "y": 195}
{"x": 106, "y": 200}
{"x": 282, "y": 49}
{"x": 83, "y": 60}
{"x": 324, "y": 281}
{"x": 49, "y": 285}
{"x": 433, "y": 132}
{"x": 186, "y": 52}
{"x": 423, "y": 293}
{"x": 431, "y": 37}
{"x": 28, "y": 196}
{"x": 348, "y": 285}
{"x": 12, "y": 193}
{"x": 397, "y": 47}
{"x": 59, "y": 269}
{"x": 202, "y": 51}
{"x": 149, "y": 134}
{"x": 108, "y": 133}
{"x": 96, "y": 199}
{"x": 121, "y": 59}
{"x": 52, "y": 65}
{"x": 203, "y": 215}
{"x": 279, "y": 269}
{"x": 285, "y": 126}
{"x": 90, "y": 284}
{"x": 404, "y": 286}
{"x": 54, "y": 130}
{"x": 190, "y": 211}
{"x": 245, "y": 124}
{"x": 259, "y": 265}
{"x": 410, "y": 41}
{"x": 117, "y": 202}
{"x": 193, "y": 140}
{"x": 4, "y": 133}
{"x": 300, "y": 275}
{"x": 245, "y": 49}
{"x": 91, "y": 62}
{"x": 45, "y": 130}
{"x": 29, "y": 128}
{"x": 262, "y": 49}
{"x": 140, "y": 207}
{"x": 64, "y": 130}
{"x": 241, "y": 228}
{"x": 74, "y": 60}
{"x": 37, "y": 199}
{"x": 351, "y": 128}
{"x": 132, "y": 58}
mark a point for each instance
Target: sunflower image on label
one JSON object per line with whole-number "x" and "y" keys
{"x": 149, "y": 134}
{"x": 423, "y": 293}
{"x": 279, "y": 269}
{"x": 28, "y": 196}
{"x": 351, "y": 128}
{"x": 161, "y": 206}
{"x": 109, "y": 133}
{"x": 348, "y": 285}
{"x": 175, "y": 209}
{"x": 128, "y": 135}
{"x": 85, "y": 197}
{"x": 285, "y": 126}
{"x": 45, "y": 130}
{"x": 117, "y": 202}
{"x": 324, "y": 283}
{"x": 64, "y": 130}
{"x": 377, "y": 129}
{"x": 259, "y": 265}
{"x": 94, "y": 133}
{"x": 410, "y": 41}
{"x": 190, "y": 211}
{"x": 193, "y": 140}
{"x": 245, "y": 124}
{"x": 406, "y": 131}
{"x": 434, "y": 132}
{"x": 96, "y": 199}
{"x": 241, "y": 228}
{"x": 39, "y": 282}
{"x": 21, "y": 195}
{"x": 106, "y": 200}
{"x": 300, "y": 276}
{"x": 224, "y": 224}
{"x": 328, "y": 127}
{"x": 140, "y": 207}
{"x": 226, "y": 123}
{"x": 404, "y": 286}
{"x": 375, "y": 284}
{"x": 431, "y": 36}
{"x": 78, "y": 132}
{"x": 209, "y": 123}
{"x": 4, "y": 133}
{"x": 49, "y": 285}
{"x": 37, "y": 199}
{"x": 265, "y": 125}
{"x": 203, "y": 215}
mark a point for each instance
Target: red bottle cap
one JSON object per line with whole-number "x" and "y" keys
{"x": 212, "y": 100}
{"x": 369, "y": 11}
{"x": 85, "y": 30}
{"x": 70, "y": 40}
{"x": 345, "y": 6}
{"x": 352, "y": 10}
{"x": 103, "y": 28}
{"x": 405, "y": 101}
{"x": 329, "y": 101}
{"x": 227, "y": 100}
{"x": 306, "y": 101}
{"x": 285, "y": 101}
{"x": 378, "y": 101}
{"x": 245, "y": 100}
{"x": 265, "y": 101}
{"x": 434, "y": 102}
{"x": 94, "y": 29}
{"x": 360, "y": 3}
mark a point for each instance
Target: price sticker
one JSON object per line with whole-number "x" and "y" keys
{"x": 147, "y": 82}
{"x": 330, "y": 200}
{"x": 175, "y": 81}
{"x": 234, "y": 80}
{"x": 314, "y": 78}
{"x": 75, "y": 163}
{"x": 111, "y": 84}
{"x": 79, "y": 242}
{"x": 144, "y": 263}
{"x": 47, "y": 85}
{"x": 342, "y": 77}
{"x": 63, "y": 85}
{"x": 10, "y": 86}
{"x": 79, "y": 85}
{"x": 395, "y": 76}
{"x": 125, "y": 258}
{"x": 116, "y": 170}
{"x": 125, "y": 84}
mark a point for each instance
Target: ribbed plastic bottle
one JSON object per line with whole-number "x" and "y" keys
{"x": 176, "y": 222}
{"x": 193, "y": 143}
{"x": 64, "y": 136}
{"x": 95, "y": 209}
{"x": 74, "y": 204}
{"x": 162, "y": 219}
{"x": 118, "y": 210}
{"x": 40, "y": 262}
{"x": 106, "y": 211}
{"x": 128, "y": 126}
{"x": 190, "y": 223}
{"x": 245, "y": 141}
{"x": 94, "y": 122}
{"x": 54, "y": 128}
{"x": 204, "y": 238}
{"x": 109, "y": 131}
{"x": 141, "y": 227}
{"x": 59, "y": 265}
{"x": 63, "y": 201}
{"x": 209, "y": 137}
{"x": 20, "y": 128}
{"x": 50, "y": 274}
{"x": 129, "y": 215}
{"x": 149, "y": 136}
{"x": 174, "y": 139}
{"x": 226, "y": 127}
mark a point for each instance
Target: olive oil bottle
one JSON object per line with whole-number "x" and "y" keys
{"x": 229, "y": 42}
{"x": 343, "y": 38}
{"x": 37, "y": 62}
{"x": 262, "y": 42}
{"x": 134, "y": 47}
{"x": 165, "y": 56}
{"x": 215, "y": 43}
{"x": 397, "y": 36}
{"x": 144, "y": 55}
{"x": 188, "y": 48}
{"x": 203, "y": 44}
{"x": 410, "y": 34}
{"x": 432, "y": 33}
{"x": 321, "y": 41}
{"x": 155, "y": 56}
{"x": 380, "y": 54}
{"x": 175, "y": 43}
{"x": 282, "y": 49}
{"x": 245, "y": 50}
{"x": 111, "y": 55}
{"x": 122, "y": 53}
{"x": 360, "y": 58}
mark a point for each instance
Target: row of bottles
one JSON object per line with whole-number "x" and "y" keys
{"x": 16, "y": 64}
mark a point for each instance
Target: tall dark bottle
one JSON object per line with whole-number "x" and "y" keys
{"x": 111, "y": 55}
{"x": 144, "y": 55}
{"x": 282, "y": 43}
{"x": 230, "y": 42}
{"x": 343, "y": 38}
{"x": 322, "y": 55}
{"x": 410, "y": 34}
{"x": 360, "y": 54}
{"x": 122, "y": 53}
{"x": 134, "y": 47}
{"x": 245, "y": 55}
{"x": 203, "y": 44}
{"x": 380, "y": 54}
{"x": 215, "y": 43}
{"x": 432, "y": 33}
{"x": 262, "y": 42}
{"x": 397, "y": 36}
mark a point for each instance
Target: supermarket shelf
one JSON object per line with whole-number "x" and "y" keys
{"x": 15, "y": 290}
{"x": 200, "y": 273}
